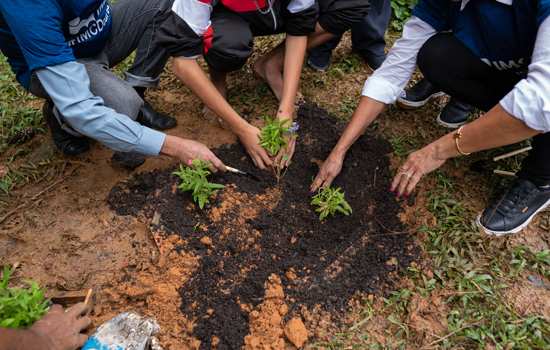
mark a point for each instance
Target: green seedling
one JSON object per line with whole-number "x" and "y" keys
{"x": 194, "y": 180}
{"x": 330, "y": 201}
{"x": 272, "y": 136}
{"x": 20, "y": 307}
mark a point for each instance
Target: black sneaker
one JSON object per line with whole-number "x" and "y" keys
{"x": 69, "y": 144}
{"x": 454, "y": 114}
{"x": 515, "y": 210}
{"x": 319, "y": 59}
{"x": 418, "y": 95}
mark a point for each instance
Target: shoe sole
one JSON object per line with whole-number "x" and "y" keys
{"x": 406, "y": 104}
{"x": 514, "y": 230}
{"x": 449, "y": 125}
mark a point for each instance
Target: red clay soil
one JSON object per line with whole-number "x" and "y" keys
{"x": 259, "y": 234}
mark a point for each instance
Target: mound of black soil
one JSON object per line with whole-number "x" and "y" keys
{"x": 332, "y": 261}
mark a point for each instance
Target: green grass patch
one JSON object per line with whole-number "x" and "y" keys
{"x": 473, "y": 272}
{"x": 17, "y": 116}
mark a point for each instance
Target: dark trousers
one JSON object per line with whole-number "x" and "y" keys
{"x": 452, "y": 67}
{"x": 367, "y": 36}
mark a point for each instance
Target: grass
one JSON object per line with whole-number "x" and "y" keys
{"x": 473, "y": 273}
{"x": 17, "y": 115}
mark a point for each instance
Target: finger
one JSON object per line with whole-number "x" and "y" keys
{"x": 290, "y": 153}
{"x": 219, "y": 164}
{"x": 328, "y": 181}
{"x": 77, "y": 310}
{"x": 412, "y": 183}
{"x": 397, "y": 178}
{"x": 319, "y": 179}
{"x": 265, "y": 158}
{"x": 405, "y": 179}
{"x": 82, "y": 323}
{"x": 259, "y": 162}
{"x": 212, "y": 167}
{"x": 80, "y": 340}
{"x": 55, "y": 308}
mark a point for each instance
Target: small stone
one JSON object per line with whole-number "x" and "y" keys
{"x": 291, "y": 275}
{"x": 207, "y": 241}
{"x": 296, "y": 332}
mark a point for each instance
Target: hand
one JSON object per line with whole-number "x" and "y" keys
{"x": 61, "y": 330}
{"x": 417, "y": 165}
{"x": 331, "y": 167}
{"x": 250, "y": 138}
{"x": 283, "y": 159}
{"x": 189, "y": 150}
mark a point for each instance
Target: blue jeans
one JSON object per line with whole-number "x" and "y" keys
{"x": 368, "y": 35}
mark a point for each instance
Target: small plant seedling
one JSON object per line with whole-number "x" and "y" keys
{"x": 272, "y": 136}
{"x": 20, "y": 307}
{"x": 330, "y": 201}
{"x": 194, "y": 180}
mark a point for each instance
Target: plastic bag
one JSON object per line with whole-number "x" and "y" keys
{"x": 127, "y": 331}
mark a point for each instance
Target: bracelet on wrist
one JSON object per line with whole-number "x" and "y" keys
{"x": 457, "y": 136}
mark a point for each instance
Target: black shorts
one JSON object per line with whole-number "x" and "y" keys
{"x": 337, "y": 16}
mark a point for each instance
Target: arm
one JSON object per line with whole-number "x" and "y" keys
{"x": 382, "y": 88}
{"x": 68, "y": 86}
{"x": 22, "y": 339}
{"x": 522, "y": 114}
{"x": 189, "y": 71}
{"x": 291, "y": 74}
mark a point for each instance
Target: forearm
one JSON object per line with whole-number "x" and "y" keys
{"x": 192, "y": 75}
{"x": 367, "y": 111}
{"x": 25, "y": 339}
{"x": 295, "y": 50}
{"x": 495, "y": 129}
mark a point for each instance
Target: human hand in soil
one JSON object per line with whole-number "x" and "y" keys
{"x": 418, "y": 164}
{"x": 189, "y": 150}
{"x": 250, "y": 139}
{"x": 62, "y": 329}
{"x": 331, "y": 167}
{"x": 283, "y": 159}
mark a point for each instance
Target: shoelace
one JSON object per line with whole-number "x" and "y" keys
{"x": 516, "y": 199}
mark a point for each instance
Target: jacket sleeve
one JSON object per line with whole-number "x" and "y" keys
{"x": 435, "y": 13}
{"x": 529, "y": 101}
{"x": 68, "y": 85}
{"x": 183, "y": 30}
{"x": 387, "y": 82}
{"x": 301, "y": 17}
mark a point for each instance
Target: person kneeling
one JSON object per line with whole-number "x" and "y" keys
{"x": 496, "y": 58}
{"x": 65, "y": 59}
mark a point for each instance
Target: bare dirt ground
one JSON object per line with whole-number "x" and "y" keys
{"x": 64, "y": 235}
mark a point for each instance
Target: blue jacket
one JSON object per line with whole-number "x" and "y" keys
{"x": 502, "y": 35}
{"x": 39, "y": 33}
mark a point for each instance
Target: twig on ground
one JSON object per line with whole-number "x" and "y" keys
{"x": 36, "y": 196}
{"x": 504, "y": 173}
{"x": 513, "y": 153}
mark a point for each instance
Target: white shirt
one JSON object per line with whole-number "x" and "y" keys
{"x": 529, "y": 100}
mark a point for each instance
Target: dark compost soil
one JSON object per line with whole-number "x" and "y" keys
{"x": 331, "y": 261}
